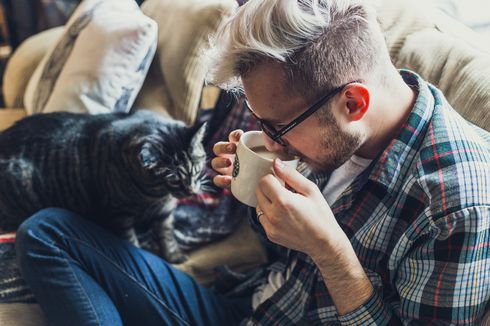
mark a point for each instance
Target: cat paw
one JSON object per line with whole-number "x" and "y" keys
{"x": 176, "y": 257}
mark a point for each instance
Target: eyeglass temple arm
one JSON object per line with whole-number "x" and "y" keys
{"x": 308, "y": 112}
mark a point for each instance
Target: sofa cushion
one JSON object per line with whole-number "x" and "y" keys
{"x": 99, "y": 63}
{"x": 10, "y": 116}
{"x": 442, "y": 51}
{"x": 21, "y": 314}
{"x": 22, "y": 64}
{"x": 176, "y": 77}
{"x": 463, "y": 74}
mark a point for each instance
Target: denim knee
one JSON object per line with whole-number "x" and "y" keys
{"x": 44, "y": 217}
{"x": 42, "y": 225}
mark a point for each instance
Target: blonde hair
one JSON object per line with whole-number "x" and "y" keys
{"x": 321, "y": 44}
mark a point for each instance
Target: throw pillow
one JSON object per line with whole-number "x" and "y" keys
{"x": 99, "y": 63}
{"x": 176, "y": 77}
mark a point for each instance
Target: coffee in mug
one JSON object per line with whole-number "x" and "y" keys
{"x": 263, "y": 152}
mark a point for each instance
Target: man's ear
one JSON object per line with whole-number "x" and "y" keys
{"x": 358, "y": 100}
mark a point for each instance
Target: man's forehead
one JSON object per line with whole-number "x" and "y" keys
{"x": 267, "y": 76}
{"x": 268, "y": 95}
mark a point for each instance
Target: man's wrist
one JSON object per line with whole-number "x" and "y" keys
{"x": 343, "y": 275}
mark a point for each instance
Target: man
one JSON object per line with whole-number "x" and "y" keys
{"x": 397, "y": 231}
{"x": 395, "y": 235}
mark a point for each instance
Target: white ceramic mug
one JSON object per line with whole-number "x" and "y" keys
{"x": 252, "y": 162}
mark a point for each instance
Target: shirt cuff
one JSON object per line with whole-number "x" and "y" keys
{"x": 373, "y": 312}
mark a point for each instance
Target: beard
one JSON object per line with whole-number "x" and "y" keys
{"x": 337, "y": 147}
{"x": 340, "y": 149}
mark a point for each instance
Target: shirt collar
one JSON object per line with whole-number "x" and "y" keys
{"x": 393, "y": 163}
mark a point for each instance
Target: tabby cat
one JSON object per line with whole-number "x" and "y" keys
{"x": 123, "y": 171}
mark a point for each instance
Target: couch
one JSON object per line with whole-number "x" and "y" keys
{"x": 419, "y": 37}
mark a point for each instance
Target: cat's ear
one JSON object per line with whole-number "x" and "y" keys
{"x": 198, "y": 133}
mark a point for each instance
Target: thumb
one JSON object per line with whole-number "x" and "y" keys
{"x": 235, "y": 135}
{"x": 292, "y": 178}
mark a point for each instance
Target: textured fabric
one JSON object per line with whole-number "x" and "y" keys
{"x": 21, "y": 314}
{"x": 10, "y": 116}
{"x": 419, "y": 221}
{"x": 26, "y": 18}
{"x": 343, "y": 177}
{"x": 23, "y": 63}
{"x": 472, "y": 13}
{"x": 445, "y": 52}
{"x": 99, "y": 63}
{"x": 12, "y": 287}
{"x": 176, "y": 76}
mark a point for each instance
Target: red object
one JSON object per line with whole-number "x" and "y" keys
{"x": 7, "y": 237}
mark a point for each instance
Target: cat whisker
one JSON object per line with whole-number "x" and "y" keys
{"x": 209, "y": 189}
{"x": 205, "y": 180}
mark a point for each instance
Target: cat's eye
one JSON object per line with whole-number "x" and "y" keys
{"x": 172, "y": 177}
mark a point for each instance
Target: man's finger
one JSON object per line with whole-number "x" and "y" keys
{"x": 222, "y": 181}
{"x": 270, "y": 188}
{"x": 222, "y": 148}
{"x": 293, "y": 178}
{"x": 221, "y": 164}
{"x": 265, "y": 206}
{"x": 262, "y": 199}
{"x": 235, "y": 135}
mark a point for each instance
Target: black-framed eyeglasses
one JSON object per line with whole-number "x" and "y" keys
{"x": 276, "y": 135}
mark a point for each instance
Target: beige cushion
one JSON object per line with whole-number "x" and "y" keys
{"x": 9, "y": 116}
{"x": 176, "y": 77}
{"x": 21, "y": 314}
{"x": 444, "y": 52}
{"x": 23, "y": 63}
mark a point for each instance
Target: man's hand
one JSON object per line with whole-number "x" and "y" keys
{"x": 299, "y": 218}
{"x": 302, "y": 220}
{"x": 225, "y": 156}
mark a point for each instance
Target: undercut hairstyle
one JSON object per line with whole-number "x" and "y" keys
{"x": 321, "y": 44}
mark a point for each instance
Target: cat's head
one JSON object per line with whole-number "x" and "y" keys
{"x": 169, "y": 159}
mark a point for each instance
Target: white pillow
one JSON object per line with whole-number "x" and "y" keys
{"x": 99, "y": 63}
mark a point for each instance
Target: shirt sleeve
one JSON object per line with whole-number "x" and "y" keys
{"x": 443, "y": 277}
{"x": 373, "y": 312}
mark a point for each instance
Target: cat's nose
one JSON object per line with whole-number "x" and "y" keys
{"x": 196, "y": 188}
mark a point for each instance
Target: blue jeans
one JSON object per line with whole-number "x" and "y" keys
{"x": 83, "y": 275}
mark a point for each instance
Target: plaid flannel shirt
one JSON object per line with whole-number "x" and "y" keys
{"x": 418, "y": 219}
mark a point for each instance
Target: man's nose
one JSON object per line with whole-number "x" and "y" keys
{"x": 271, "y": 145}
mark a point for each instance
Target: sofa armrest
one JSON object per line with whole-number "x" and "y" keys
{"x": 9, "y": 116}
